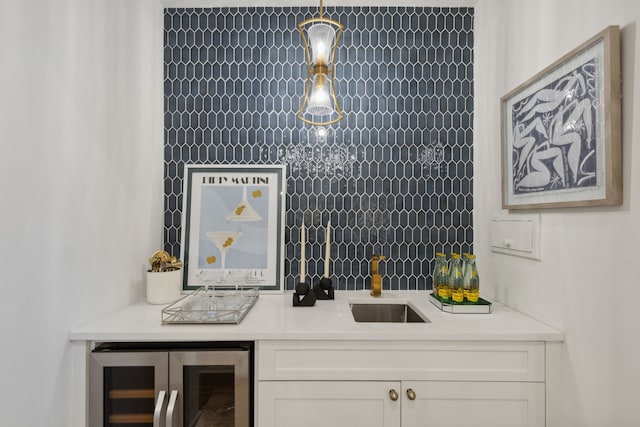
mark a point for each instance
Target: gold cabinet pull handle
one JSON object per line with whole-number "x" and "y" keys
{"x": 393, "y": 395}
{"x": 411, "y": 394}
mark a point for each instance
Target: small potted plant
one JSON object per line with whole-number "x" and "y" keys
{"x": 164, "y": 278}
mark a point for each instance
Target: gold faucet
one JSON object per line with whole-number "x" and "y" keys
{"x": 376, "y": 279}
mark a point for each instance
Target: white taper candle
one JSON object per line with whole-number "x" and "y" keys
{"x": 303, "y": 255}
{"x": 327, "y": 251}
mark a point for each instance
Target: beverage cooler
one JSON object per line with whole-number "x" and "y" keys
{"x": 171, "y": 385}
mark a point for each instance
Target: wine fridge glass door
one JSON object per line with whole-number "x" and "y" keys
{"x": 212, "y": 388}
{"x": 127, "y": 388}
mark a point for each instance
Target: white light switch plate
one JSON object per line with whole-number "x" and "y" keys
{"x": 517, "y": 235}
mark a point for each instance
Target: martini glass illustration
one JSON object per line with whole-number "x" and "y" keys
{"x": 224, "y": 240}
{"x": 244, "y": 211}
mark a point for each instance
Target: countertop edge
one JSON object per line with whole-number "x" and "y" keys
{"x": 273, "y": 318}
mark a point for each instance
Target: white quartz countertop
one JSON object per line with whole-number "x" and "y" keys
{"x": 273, "y": 317}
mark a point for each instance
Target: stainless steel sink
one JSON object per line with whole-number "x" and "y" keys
{"x": 388, "y": 311}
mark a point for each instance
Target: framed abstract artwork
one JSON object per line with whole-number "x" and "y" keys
{"x": 233, "y": 226}
{"x": 561, "y": 131}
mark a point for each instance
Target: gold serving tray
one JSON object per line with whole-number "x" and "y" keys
{"x": 481, "y": 307}
{"x": 227, "y": 306}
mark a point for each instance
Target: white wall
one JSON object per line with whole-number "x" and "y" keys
{"x": 81, "y": 194}
{"x": 586, "y": 283}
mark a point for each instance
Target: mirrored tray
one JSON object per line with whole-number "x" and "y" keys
{"x": 212, "y": 306}
{"x": 481, "y": 307}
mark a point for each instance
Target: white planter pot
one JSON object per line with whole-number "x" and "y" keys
{"x": 163, "y": 287}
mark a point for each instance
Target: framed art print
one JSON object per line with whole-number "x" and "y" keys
{"x": 233, "y": 226}
{"x": 561, "y": 131}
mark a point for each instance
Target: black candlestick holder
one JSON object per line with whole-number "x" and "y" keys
{"x": 324, "y": 289}
{"x": 303, "y": 297}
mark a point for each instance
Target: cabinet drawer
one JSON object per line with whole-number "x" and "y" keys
{"x": 401, "y": 360}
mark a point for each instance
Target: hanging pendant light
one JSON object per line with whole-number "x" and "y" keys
{"x": 320, "y": 36}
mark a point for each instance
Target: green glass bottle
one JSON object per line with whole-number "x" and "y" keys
{"x": 456, "y": 288}
{"x": 464, "y": 258}
{"x": 471, "y": 280}
{"x": 441, "y": 277}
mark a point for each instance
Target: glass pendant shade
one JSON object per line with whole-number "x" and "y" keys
{"x": 320, "y": 102}
{"x": 319, "y": 105}
{"x": 321, "y": 40}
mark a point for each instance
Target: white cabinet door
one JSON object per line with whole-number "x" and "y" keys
{"x": 328, "y": 404}
{"x": 473, "y": 404}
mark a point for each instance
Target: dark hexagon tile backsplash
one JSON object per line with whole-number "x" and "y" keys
{"x": 394, "y": 177}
